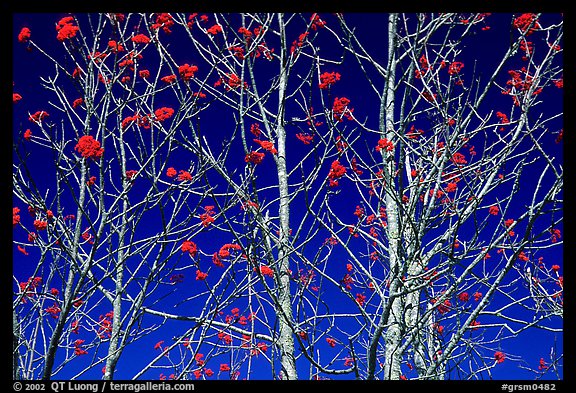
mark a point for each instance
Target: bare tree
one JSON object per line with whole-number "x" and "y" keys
{"x": 439, "y": 228}
{"x": 213, "y": 172}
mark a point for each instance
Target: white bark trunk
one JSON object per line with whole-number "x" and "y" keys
{"x": 393, "y": 333}
{"x": 286, "y": 338}
{"x": 15, "y": 342}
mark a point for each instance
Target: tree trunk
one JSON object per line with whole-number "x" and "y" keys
{"x": 393, "y": 333}
{"x": 114, "y": 349}
{"x": 15, "y": 341}
{"x": 286, "y": 339}
{"x": 70, "y": 290}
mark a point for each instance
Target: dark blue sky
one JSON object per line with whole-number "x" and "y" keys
{"x": 480, "y": 54}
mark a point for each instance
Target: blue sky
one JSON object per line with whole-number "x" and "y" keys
{"x": 479, "y": 54}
